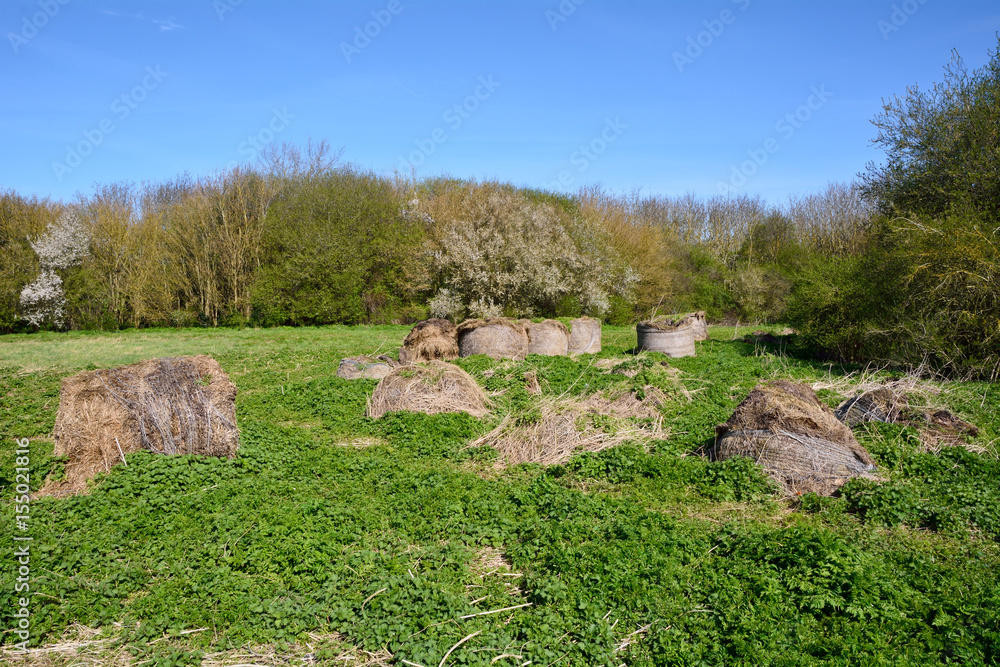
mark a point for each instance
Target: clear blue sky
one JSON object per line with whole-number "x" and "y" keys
{"x": 666, "y": 97}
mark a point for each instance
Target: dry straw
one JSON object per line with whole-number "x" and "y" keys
{"x": 174, "y": 405}
{"x": 428, "y": 340}
{"x": 431, "y": 387}
{"x": 550, "y": 338}
{"x": 887, "y": 403}
{"x": 795, "y": 437}
{"x": 673, "y": 340}
{"x": 496, "y": 337}
{"x": 585, "y": 336}
{"x": 564, "y": 427}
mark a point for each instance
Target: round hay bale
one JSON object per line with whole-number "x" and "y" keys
{"x": 495, "y": 337}
{"x": 550, "y": 338}
{"x": 788, "y": 430}
{"x": 356, "y": 368}
{"x": 435, "y": 338}
{"x": 801, "y": 463}
{"x": 174, "y": 405}
{"x": 585, "y": 336}
{"x": 673, "y": 341}
{"x": 698, "y": 323}
{"x": 431, "y": 387}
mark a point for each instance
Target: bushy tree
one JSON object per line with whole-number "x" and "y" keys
{"x": 502, "y": 252}
{"x": 942, "y": 145}
{"x": 337, "y": 248}
{"x": 924, "y": 287}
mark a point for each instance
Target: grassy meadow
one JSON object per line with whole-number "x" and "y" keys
{"x": 332, "y": 538}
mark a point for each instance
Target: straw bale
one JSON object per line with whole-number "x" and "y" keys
{"x": 672, "y": 340}
{"x": 173, "y": 405}
{"x": 495, "y": 337}
{"x": 792, "y": 434}
{"x": 430, "y": 387}
{"x": 585, "y": 336}
{"x": 698, "y": 323}
{"x": 549, "y": 337}
{"x": 886, "y": 404}
{"x": 435, "y": 338}
{"x": 881, "y": 404}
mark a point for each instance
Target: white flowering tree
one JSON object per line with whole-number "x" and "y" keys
{"x": 64, "y": 244}
{"x": 500, "y": 252}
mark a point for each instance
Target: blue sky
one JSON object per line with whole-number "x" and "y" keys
{"x": 764, "y": 97}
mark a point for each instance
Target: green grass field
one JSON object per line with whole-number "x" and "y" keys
{"x": 335, "y": 539}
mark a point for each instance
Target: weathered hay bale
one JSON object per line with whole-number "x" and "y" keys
{"x": 173, "y": 405}
{"x": 356, "y": 368}
{"x": 550, "y": 338}
{"x": 881, "y": 404}
{"x": 435, "y": 338}
{"x": 430, "y": 387}
{"x": 884, "y": 404}
{"x": 495, "y": 337}
{"x": 585, "y": 336}
{"x": 795, "y": 437}
{"x": 674, "y": 341}
{"x": 698, "y": 323}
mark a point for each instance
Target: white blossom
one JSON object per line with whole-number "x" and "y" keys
{"x": 43, "y": 301}
{"x": 64, "y": 244}
{"x": 446, "y": 304}
{"x": 508, "y": 253}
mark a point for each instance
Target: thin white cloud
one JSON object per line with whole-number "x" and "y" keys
{"x": 164, "y": 24}
{"x": 167, "y": 24}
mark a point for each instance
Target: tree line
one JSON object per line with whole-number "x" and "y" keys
{"x": 901, "y": 265}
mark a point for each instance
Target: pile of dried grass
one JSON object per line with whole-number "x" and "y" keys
{"x": 673, "y": 340}
{"x": 585, "y": 336}
{"x": 430, "y": 387}
{"x": 550, "y": 338}
{"x": 795, "y": 437}
{"x": 428, "y": 340}
{"x": 496, "y": 337}
{"x": 174, "y": 405}
{"x": 564, "y": 427}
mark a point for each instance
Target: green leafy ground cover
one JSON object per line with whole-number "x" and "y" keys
{"x": 396, "y": 535}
